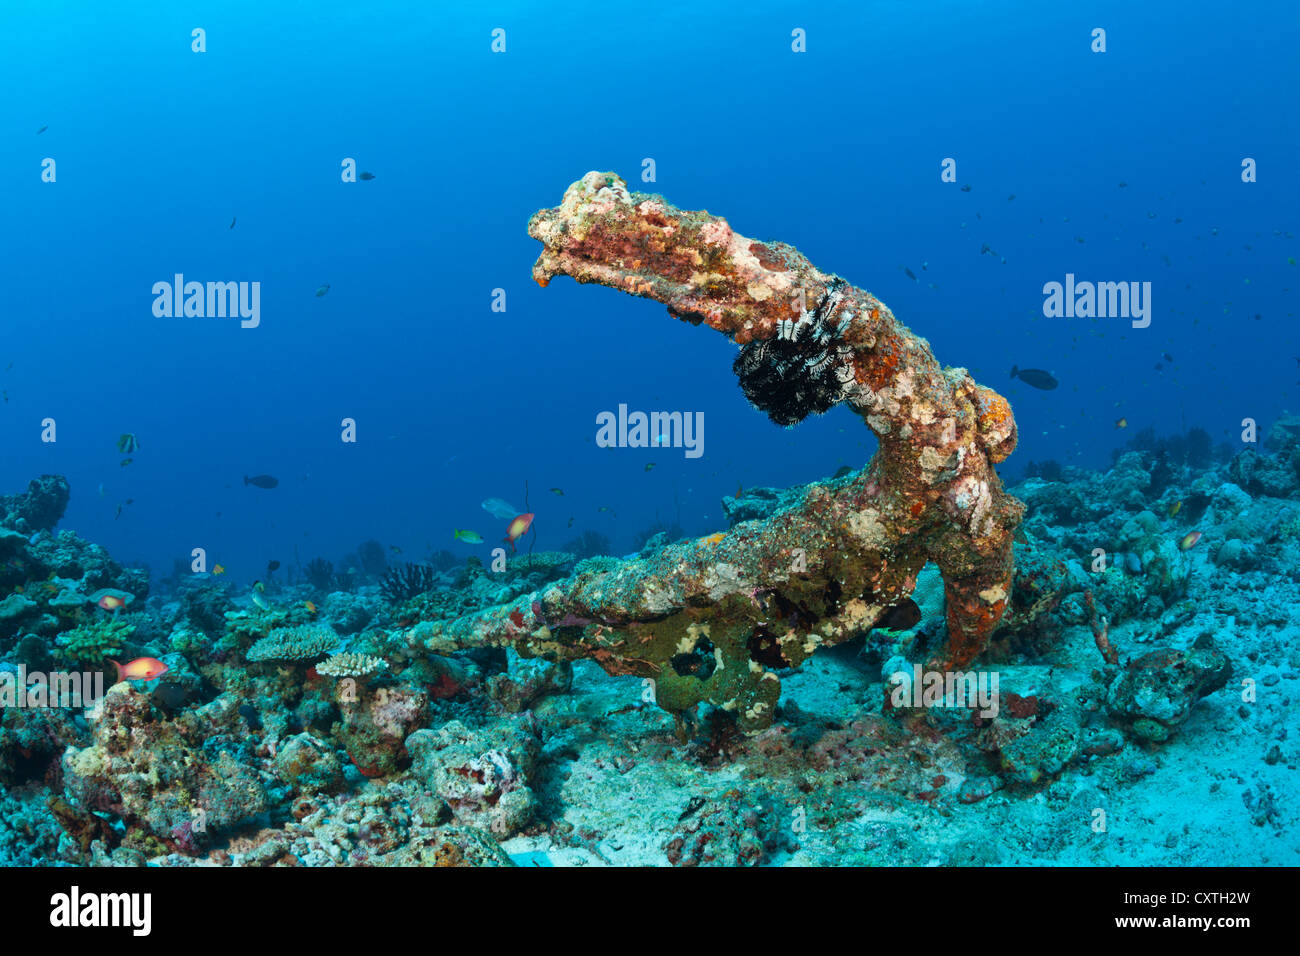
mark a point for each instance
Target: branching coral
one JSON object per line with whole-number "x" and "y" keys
{"x": 711, "y": 620}
{"x": 351, "y": 665}
{"x": 95, "y": 642}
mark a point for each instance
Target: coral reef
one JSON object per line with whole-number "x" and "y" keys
{"x": 40, "y": 508}
{"x": 1129, "y": 669}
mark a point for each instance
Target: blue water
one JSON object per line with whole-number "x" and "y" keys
{"x": 836, "y": 150}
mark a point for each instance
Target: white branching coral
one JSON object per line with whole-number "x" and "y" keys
{"x": 351, "y": 665}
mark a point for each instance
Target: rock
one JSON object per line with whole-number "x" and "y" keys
{"x": 528, "y": 681}
{"x": 1284, "y": 432}
{"x": 1236, "y": 554}
{"x": 1047, "y": 745}
{"x": 1154, "y": 696}
{"x": 482, "y": 774}
{"x": 756, "y": 504}
{"x": 308, "y": 765}
{"x": 375, "y": 725}
{"x": 40, "y": 508}
{"x": 172, "y": 783}
{"x": 1273, "y": 476}
{"x": 11, "y": 543}
{"x": 1228, "y": 501}
{"x": 15, "y": 606}
{"x": 734, "y": 830}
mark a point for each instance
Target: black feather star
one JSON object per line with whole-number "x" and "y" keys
{"x": 799, "y": 372}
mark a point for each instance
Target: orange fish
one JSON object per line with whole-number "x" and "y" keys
{"x": 311, "y": 608}
{"x": 111, "y": 602}
{"x": 142, "y": 668}
{"x": 1189, "y": 541}
{"x": 518, "y": 528}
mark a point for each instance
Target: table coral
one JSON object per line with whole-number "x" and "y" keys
{"x": 712, "y": 620}
{"x": 295, "y": 643}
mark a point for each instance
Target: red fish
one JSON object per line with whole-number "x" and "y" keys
{"x": 111, "y": 602}
{"x": 142, "y": 668}
{"x": 517, "y": 529}
{"x": 1189, "y": 541}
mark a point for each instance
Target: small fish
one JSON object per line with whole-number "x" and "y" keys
{"x": 42, "y": 129}
{"x": 1167, "y": 357}
{"x": 570, "y": 524}
{"x": 322, "y": 290}
{"x": 126, "y": 461}
{"x": 127, "y": 444}
{"x": 909, "y": 273}
{"x": 607, "y": 508}
{"x": 366, "y": 177}
{"x": 558, "y": 491}
{"x": 966, "y": 188}
{"x": 841, "y": 471}
{"x": 142, "y": 668}
{"x": 272, "y": 567}
{"x": 219, "y": 569}
{"x": 1121, "y": 423}
{"x": 1036, "y": 377}
{"x": 260, "y": 601}
{"x": 469, "y": 537}
{"x": 117, "y": 514}
{"x": 900, "y": 617}
{"x": 311, "y": 608}
{"x": 232, "y": 222}
{"x": 101, "y": 489}
{"x": 1174, "y": 508}
{"x": 262, "y": 481}
{"x": 1011, "y": 197}
{"x": 517, "y": 528}
{"x": 1122, "y": 185}
{"x": 111, "y": 602}
{"x": 649, "y": 466}
{"x": 1189, "y": 541}
{"x": 395, "y": 549}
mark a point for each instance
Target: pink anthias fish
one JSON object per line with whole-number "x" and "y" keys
{"x": 517, "y": 529}
{"x": 142, "y": 668}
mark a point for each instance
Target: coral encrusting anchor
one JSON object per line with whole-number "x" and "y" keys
{"x": 711, "y": 620}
